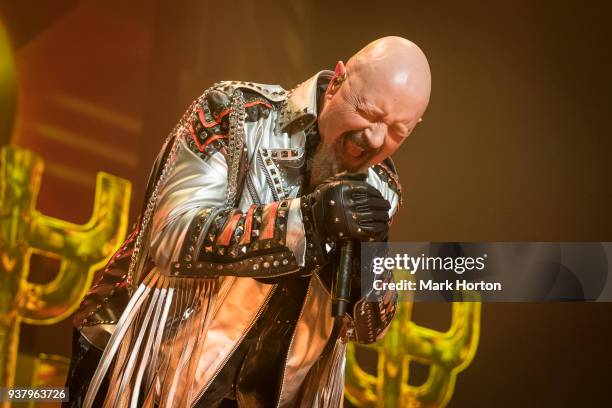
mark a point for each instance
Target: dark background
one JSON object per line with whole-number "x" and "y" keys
{"x": 514, "y": 146}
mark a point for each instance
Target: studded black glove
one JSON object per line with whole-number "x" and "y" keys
{"x": 346, "y": 207}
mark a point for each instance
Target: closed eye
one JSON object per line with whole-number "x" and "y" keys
{"x": 368, "y": 111}
{"x": 401, "y": 130}
{"x": 364, "y": 113}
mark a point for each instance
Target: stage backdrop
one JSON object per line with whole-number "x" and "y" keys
{"x": 515, "y": 145}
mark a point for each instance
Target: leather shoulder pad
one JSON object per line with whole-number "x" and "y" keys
{"x": 208, "y": 122}
{"x": 274, "y": 93}
{"x": 209, "y": 117}
{"x": 259, "y": 99}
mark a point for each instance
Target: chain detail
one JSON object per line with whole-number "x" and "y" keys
{"x": 179, "y": 130}
{"x": 236, "y": 138}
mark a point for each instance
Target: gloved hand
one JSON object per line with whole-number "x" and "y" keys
{"x": 347, "y": 207}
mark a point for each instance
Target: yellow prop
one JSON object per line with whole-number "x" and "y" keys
{"x": 446, "y": 354}
{"x": 81, "y": 249}
{"x": 8, "y": 87}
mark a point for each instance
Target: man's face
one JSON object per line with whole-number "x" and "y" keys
{"x": 364, "y": 123}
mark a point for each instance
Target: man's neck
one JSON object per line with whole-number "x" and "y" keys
{"x": 322, "y": 163}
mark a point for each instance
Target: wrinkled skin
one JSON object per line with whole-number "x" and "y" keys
{"x": 365, "y": 118}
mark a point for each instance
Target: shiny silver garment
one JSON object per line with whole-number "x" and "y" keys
{"x": 226, "y": 211}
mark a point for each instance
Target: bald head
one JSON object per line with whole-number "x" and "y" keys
{"x": 374, "y": 102}
{"x": 396, "y": 64}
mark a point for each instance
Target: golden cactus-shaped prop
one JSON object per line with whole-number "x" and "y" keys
{"x": 446, "y": 354}
{"x": 81, "y": 249}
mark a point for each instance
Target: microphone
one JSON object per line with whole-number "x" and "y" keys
{"x": 341, "y": 285}
{"x": 341, "y": 288}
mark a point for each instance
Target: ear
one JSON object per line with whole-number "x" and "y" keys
{"x": 337, "y": 80}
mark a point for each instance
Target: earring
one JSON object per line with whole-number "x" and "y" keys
{"x": 337, "y": 81}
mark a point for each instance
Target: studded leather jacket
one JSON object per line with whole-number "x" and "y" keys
{"x": 253, "y": 245}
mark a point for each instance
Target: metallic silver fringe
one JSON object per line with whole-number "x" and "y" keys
{"x": 153, "y": 353}
{"x": 157, "y": 343}
{"x": 323, "y": 387}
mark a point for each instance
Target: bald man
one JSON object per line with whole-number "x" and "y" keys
{"x": 221, "y": 295}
